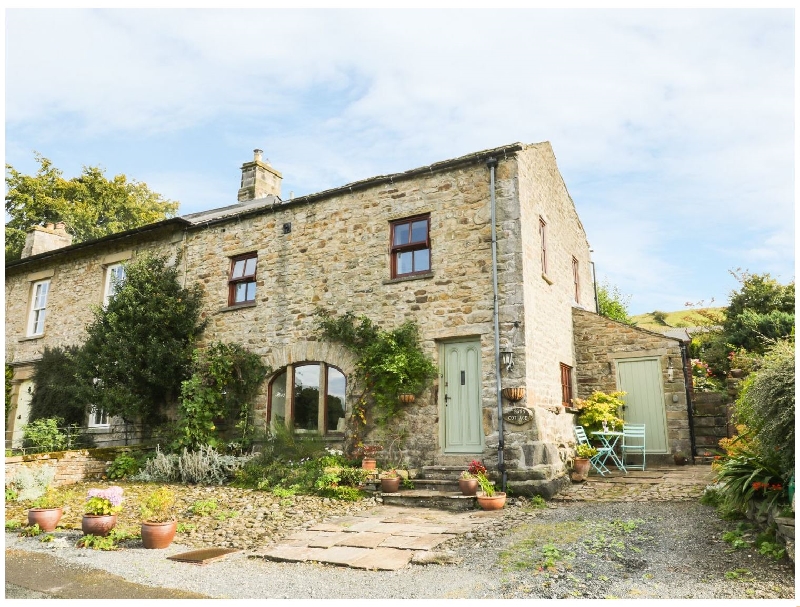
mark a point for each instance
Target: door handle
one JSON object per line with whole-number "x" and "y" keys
{"x": 446, "y": 398}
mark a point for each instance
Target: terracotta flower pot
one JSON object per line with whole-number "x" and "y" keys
{"x": 158, "y": 535}
{"x": 406, "y": 398}
{"x": 368, "y": 463}
{"x": 98, "y": 524}
{"x": 496, "y": 502}
{"x": 390, "y": 485}
{"x": 468, "y": 486}
{"x": 581, "y": 466}
{"x": 46, "y": 518}
{"x": 514, "y": 394}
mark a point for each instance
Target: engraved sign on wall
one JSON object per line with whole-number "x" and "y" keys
{"x": 518, "y": 416}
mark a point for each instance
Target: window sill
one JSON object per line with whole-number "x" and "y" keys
{"x": 390, "y": 281}
{"x": 31, "y": 337}
{"x": 238, "y": 307}
{"x": 547, "y": 279}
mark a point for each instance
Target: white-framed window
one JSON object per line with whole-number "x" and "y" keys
{"x": 115, "y": 274}
{"x": 39, "y": 291}
{"x": 98, "y": 418}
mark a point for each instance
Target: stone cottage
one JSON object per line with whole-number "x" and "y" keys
{"x": 486, "y": 253}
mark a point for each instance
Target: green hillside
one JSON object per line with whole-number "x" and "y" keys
{"x": 681, "y": 318}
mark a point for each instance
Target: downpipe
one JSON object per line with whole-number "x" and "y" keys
{"x": 501, "y": 465}
{"x": 689, "y": 402}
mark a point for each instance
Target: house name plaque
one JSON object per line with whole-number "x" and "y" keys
{"x": 518, "y": 416}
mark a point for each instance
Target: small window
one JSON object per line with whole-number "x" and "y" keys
{"x": 98, "y": 418}
{"x": 242, "y": 281}
{"x": 411, "y": 246}
{"x": 576, "y": 280}
{"x": 543, "y": 238}
{"x": 39, "y": 292}
{"x": 566, "y": 385}
{"x": 115, "y": 274}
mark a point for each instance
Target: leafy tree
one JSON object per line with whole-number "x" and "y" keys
{"x": 613, "y": 304}
{"x": 759, "y": 313}
{"x": 139, "y": 346}
{"x": 91, "y": 205}
{"x": 57, "y": 390}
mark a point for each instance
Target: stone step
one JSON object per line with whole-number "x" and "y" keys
{"x": 423, "y": 498}
{"x": 450, "y": 473}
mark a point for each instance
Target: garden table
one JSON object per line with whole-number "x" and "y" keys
{"x": 610, "y": 438}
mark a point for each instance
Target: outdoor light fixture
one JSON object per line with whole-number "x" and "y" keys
{"x": 670, "y": 370}
{"x": 507, "y": 359}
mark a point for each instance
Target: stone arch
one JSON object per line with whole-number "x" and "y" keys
{"x": 311, "y": 351}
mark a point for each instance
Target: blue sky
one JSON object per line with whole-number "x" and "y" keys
{"x": 673, "y": 130}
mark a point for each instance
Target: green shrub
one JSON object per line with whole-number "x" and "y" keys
{"x": 205, "y": 466}
{"x": 48, "y": 434}
{"x": 30, "y": 484}
{"x": 122, "y": 466}
{"x": 600, "y": 407}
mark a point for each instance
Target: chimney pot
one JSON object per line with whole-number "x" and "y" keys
{"x": 257, "y": 155}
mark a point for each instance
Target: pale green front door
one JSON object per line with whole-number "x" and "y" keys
{"x": 641, "y": 380}
{"x": 461, "y": 396}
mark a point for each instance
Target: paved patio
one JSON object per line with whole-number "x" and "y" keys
{"x": 390, "y": 537}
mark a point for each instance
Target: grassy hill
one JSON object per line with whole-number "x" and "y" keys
{"x": 681, "y": 318}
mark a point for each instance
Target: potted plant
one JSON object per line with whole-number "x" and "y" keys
{"x": 390, "y": 481}
{"x": 584, "y": 453}
{"x": 367, "y": 453}
{"x": 488, "y": 497}
{"x": 158, "y": 519}
{"x": 680, "y": 458}
{"x": 46, "y": 510}
{"x": 102, "y": 506}
{"x": 468, "y": 481}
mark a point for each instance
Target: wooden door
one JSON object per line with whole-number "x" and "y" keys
{"x": 641, "y": 380}
{"x": 461, "y": 395}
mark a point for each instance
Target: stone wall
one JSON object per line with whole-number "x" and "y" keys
{"x": 601, "y": 342}
{"x": 70, "y": 466}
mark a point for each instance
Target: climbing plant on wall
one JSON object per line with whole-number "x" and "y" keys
{"x": 390, "y": 362}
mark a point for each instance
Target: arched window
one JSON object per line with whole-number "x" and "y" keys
{"x": 310, "y": 397}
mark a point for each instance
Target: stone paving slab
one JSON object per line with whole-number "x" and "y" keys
{"x": 367, "y": 539}
{"x": 385, "y": 559}
{"x": 423, "y": 542}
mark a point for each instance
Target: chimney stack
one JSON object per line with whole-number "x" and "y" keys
{"x": 259, "y": 179}
{"x": 49, "y": 237}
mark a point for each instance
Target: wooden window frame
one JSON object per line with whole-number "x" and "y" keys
{"x": 566, "y": 385}
{"x": 576, "y": 279}
{"x": 233, "y": 283}
{"x": 396, "y": 248}
{"x": 324, "y": 387}
{"x": 543, "y": 237}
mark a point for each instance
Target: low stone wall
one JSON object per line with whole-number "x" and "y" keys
{"x": 71, "y": 466}
{"x": 783, "y": 525}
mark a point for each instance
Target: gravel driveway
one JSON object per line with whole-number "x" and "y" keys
{"x": 626, "y": 550}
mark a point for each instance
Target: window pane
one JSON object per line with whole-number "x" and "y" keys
{"x": 335, "y": 402}
{"x": 277, "y": 393}
{"x": 306, "y": 397}
{"x": 404, "y": 262}
{"x": 38, "y": 321}
{"x": 251, "y": 291}
{"x": 241, "y": 293}
{"x": 401, "y": 234}
{"x": 422, "y": 260}
{"x": 250, "y": 266}
{"x": 238, "y": 269}
{"x": 419, "y": 231}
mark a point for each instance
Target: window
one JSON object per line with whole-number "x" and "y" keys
{"x": 543, "y": 237}
{"x": 39, "y": 291}
{"x": 411, "y": 246}
{"x": 566, "y": 385}
{"x": 308, "y": 397}
{"x": 98, "y": 418}
{"x": 115, "y": 274}
{"x": 242, "y": 281}
{"x": 576, "y": 280}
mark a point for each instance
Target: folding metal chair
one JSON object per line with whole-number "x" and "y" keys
{"x": 633, "y": 441}
{"x": 602, "y": 452}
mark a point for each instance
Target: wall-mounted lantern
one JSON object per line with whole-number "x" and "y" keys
{"x": 507, "y": 359}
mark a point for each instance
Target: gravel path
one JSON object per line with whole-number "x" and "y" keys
{"x": 626, "y": 550}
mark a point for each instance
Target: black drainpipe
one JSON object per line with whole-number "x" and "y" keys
{"x": 501, "y": 465}
{"x": 689, "y": 402}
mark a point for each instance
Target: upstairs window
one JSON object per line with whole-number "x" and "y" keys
{"x": 98, "y": 418}
{"x": 411, "y": 246}
{"x": 576, "y": 280}
{"x": 543, "y": 238}
{"x": 242, "y": 281}
{"x": 39, "y": 292}
{"x": 115, "y": 274}
{"x": 566, "y": 385}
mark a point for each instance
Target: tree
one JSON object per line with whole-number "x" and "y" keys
{"x": 139, "y": 346}
{"x": 91, "y": 206}
{"x": 759, "y": 313}
{"x": 613, "y": 304}
{"x": 57, "y": 390}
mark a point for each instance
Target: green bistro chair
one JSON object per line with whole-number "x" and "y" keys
{"x": 633, "y": 442}
{"x": 602, "y": 452}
